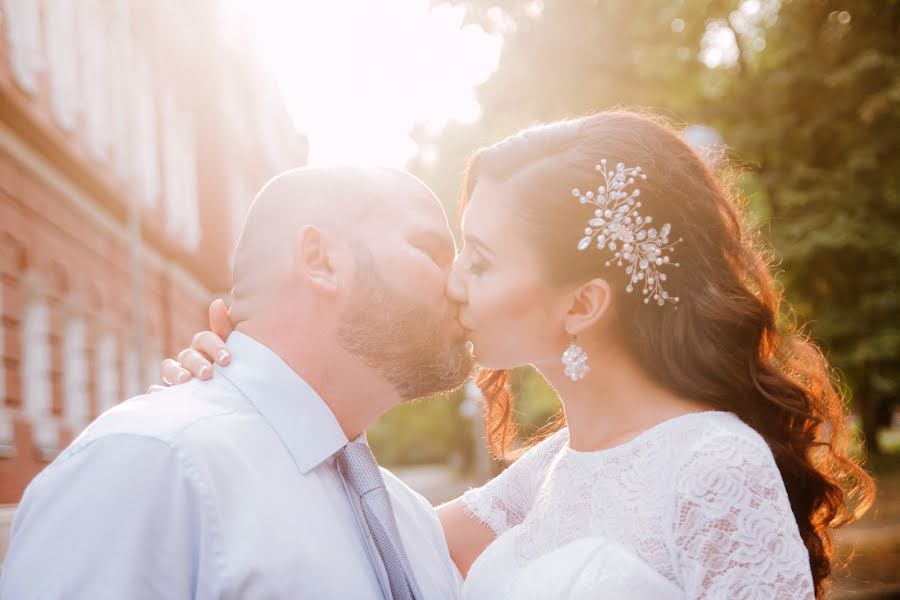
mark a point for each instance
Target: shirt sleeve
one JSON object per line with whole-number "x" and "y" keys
{"x": 504, "y": 501}
{"x": 734, "y": 532}
{"x": 117, "y": 518}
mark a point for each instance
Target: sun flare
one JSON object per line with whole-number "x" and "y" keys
{"x": 357, "y": 75}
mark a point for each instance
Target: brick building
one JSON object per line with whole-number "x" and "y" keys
{"x": 132, "y": 138}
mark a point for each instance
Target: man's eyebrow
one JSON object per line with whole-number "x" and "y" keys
{"x": 436, "y": 241}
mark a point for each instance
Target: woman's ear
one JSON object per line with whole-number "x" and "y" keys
{"x": 313, "y": 260}
{"x": 590, "y": 303}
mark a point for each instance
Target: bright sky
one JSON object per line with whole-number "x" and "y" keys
{"x": 358, "y": 75}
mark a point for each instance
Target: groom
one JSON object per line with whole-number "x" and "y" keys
{"x": 258, "y": 483}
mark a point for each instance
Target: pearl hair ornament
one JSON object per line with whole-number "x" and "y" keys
{"x": 618, "y": 226}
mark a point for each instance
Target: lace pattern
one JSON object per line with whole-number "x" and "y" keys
{"x": 504, "y": 501}
{"x": 698, "y": 498}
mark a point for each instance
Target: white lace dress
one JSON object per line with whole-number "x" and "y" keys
{"x": 692, "y": 508}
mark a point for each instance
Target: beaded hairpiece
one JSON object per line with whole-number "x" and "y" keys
{"x": 619, "y": 228}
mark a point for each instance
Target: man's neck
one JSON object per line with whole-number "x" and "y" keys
{"x": 355, "y": 393}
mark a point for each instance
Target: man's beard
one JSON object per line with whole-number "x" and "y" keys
{"x": 403, "y": 341}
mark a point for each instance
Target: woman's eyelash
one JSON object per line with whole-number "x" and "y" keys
{"x": 477, "y": 266}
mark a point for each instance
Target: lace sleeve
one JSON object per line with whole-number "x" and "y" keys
{"x": 504, "y": 501}
{"x": 734, "y": 532}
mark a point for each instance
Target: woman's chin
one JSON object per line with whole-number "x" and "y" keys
{"x": 488, "y": 357}
{"x": 494, "y": 363}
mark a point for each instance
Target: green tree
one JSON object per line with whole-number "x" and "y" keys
{"x": 817, "y": 114}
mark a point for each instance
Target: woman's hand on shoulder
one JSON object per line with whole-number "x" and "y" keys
{"x": 207, "y": 347}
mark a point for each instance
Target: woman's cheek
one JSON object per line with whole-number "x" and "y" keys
{"x": 505, "y": 338}
{"x": 498, "y": 300}
{"x": 483, "y": 299}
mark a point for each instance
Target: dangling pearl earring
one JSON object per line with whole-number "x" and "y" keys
{"x": 575, "y": 360}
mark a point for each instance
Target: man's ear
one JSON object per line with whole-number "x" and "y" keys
{"x": 590, "y": 303}
{"x": 313, "y": 259}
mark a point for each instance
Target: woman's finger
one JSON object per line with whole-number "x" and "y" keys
{"x": 211, "y": 347}
{"x": 220, "y": 319}
{"x": 172, "y": 372}
{"x": 195, "y": 362}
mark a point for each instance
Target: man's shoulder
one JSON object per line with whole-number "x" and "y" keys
{"x": 168, "y": 415}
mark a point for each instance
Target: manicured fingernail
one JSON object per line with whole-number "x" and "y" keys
{"x": 222, "y": 356}
{"x": 182, "y": 376}
{"x": 205, "y": 372}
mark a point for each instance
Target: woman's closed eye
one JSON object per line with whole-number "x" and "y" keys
{"x": 477, "y": 264}
{"x": 474, "y": 255}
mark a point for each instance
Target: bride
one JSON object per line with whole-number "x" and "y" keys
{"x": 703, "y": 452}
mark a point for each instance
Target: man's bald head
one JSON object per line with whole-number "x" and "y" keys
{"x": 329, "y": 198}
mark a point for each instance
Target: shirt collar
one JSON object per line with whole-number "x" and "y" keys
{"x": 299, "y": 416}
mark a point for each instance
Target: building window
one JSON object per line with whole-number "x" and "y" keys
{"x": 138, "y": 378}
{"x": 146, "y": 151}
{"x": 36, "y": 361}
{"x": 120, "y": 70}
{"x": 93, "y": 36}
{"x": 107, "y": 372}
{"x": 132, "y": 374}
{"x": 23, "y": 33}
{"x": 45, "y": 433}
{"x": 180, "y": 173}
{"x": 63, "y": 61}
{"x": 7, "y": 434}
{"x": 76, "y": 408}
{"x": 152, "y": 358}
{"x": 2, "y": 351}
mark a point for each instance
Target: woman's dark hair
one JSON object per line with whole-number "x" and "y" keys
{"x": 727, "y": 345}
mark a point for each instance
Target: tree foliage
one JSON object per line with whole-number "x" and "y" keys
{"x": 818, "y": 115}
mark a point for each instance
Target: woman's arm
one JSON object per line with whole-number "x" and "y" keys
{"x": 467, "y": 537}
{"x": 734, "y": 533}
{"x": 475, "y": 519}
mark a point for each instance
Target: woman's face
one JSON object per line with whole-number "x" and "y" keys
{"x": 512, "y": 316}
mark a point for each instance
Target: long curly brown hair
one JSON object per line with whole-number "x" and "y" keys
{"x": 729, "y": 344}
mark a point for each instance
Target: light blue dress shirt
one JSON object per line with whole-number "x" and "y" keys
{"x": 220, "y": 489}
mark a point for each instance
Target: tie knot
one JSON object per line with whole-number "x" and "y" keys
{"x": 359, "y": 468}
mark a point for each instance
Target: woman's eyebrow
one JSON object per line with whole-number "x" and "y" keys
{"x": 476, "y": 241}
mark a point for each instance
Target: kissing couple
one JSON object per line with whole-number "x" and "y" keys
{"x": 702, "y": 454}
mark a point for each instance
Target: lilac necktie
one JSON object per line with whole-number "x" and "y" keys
{"x": 360, "y": 471}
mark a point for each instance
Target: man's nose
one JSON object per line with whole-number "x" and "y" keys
{"x": 455, "y": 291}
